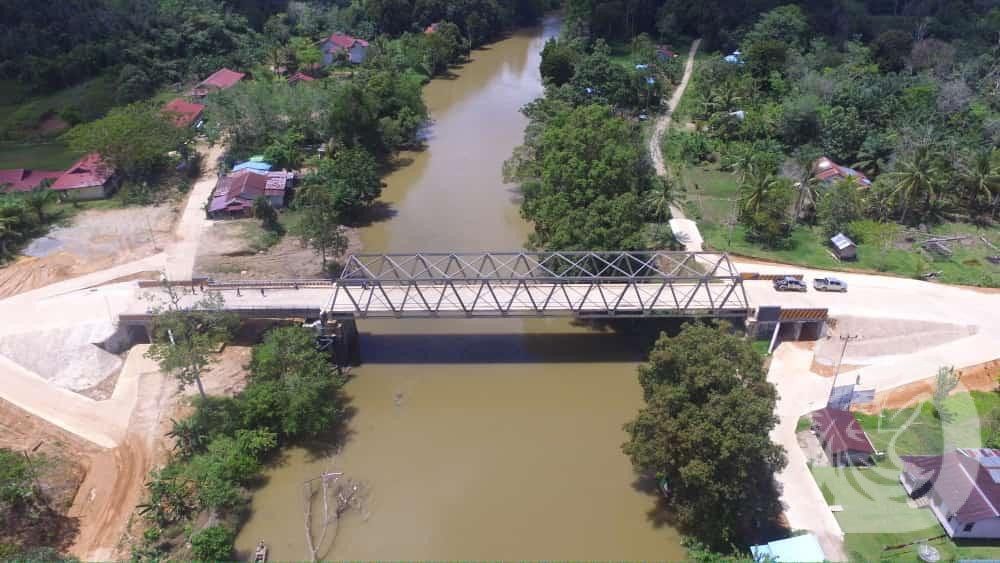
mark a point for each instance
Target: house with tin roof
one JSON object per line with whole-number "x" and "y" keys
{"x": 828, "y": 172}
{"x": 88, "y": 178}
{"x": 218, "y": 80}
{"x": 338, "y": 43}
{"x": 962, "y": 487}
{"x": 842, "y": 438}
{"x": 182, "y": 112}
{"x": 235, "y": 193}
{"x": 24, "y": 180}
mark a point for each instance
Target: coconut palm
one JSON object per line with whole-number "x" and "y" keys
{"x": 916, "y": 178}
{"x": 664, "y": 194}
{"x": 38, "y": 199}
{"x": 979, "y": 175}
{"x": 754, "y": 191}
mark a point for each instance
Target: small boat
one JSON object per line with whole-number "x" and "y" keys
{"x": 260, "y": 555}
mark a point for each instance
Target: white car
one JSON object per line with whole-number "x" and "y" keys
{"x": 829, "y": 284}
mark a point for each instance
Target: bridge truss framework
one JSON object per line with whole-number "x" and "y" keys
{"x": 528, "y": 284}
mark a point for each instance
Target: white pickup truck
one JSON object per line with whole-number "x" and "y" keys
{"x": 829, "y": 284}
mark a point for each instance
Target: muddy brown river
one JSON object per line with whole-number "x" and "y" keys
{"x": 486, "y": 438}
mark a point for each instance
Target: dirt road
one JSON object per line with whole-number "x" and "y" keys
{"x": 684, "y": 229}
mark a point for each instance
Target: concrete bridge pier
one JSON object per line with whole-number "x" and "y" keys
{"x": 347, "y": 344}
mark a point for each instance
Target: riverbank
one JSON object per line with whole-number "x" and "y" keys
{"x": 471, "y": 432}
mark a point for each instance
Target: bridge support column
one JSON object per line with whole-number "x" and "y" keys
{"x": 347, "y": 351}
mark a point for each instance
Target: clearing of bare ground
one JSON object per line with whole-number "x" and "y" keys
{"x": 235, "y": 249}
{"x": 980, "y": 377}
{"x": 61, "y": 461}
{"x": 94, "y": 240}
{"x": 884, "y": 337}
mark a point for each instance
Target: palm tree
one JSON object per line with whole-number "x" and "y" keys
{"x": 979, "y": 174}
{"x": 661, "y": 197}
{"x": 753, "y": 191}
{"x": 38, "y": 199}
{"x": 917, "y": 177}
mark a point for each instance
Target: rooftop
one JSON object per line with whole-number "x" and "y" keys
{"x": 826, "y": 170}
{"x": 840, "y": 431}
{"x": 967, "y": 480}
{"x": 25, "y": 180}
{"x": 222, "y": 79}
{"x": 87, "y": 172}
{"x": 804, "y": 548}
{"x": 343, "y": 41}
{"x": 183, "y": 112}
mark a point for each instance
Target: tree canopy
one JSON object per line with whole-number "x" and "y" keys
{"x": 704, "y": 430}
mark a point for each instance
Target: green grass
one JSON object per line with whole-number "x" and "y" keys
{"x": 761, "y": 347}
{"x": 875, "y": 513}
{"x": 39, "y": 156}
{"x": 803, "y": 424}
{"x": 808, "y": 247}
{"x": 19, "y": 114}
{"x": 711, "y": 193}
{"x": 917, "y": 430}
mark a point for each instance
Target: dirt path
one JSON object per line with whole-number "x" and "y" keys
{"x": 683, "y": 228}
{"x": 193, "y": 223}
{"x": 663, "y": 123}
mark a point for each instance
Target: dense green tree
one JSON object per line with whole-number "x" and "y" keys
{"x": 917, "y": 181}
{"x": 765, "y": 202}
{"x": 583, "y": 184}
{"x": 295, "y": 390}
{"x": 891, "y": 48}
{"x": 352, "y": 178}
{"x": 134, "y": 139}
{"x": 320, "y": 222}
{"x": 704, "y": 431}
{"x": 214, "y": 543}
{"x": 263, "y": 210}
{"x": 840, "y": 205}
{"x": 558, "y": 62}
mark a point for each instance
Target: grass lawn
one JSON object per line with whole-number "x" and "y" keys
{"x": 20, "y": 113}
{"x": 875, "y": 514}
{"x": 39, "y": 156}
{"x": 917, "y": 430}
{"x": 808, "y": 248}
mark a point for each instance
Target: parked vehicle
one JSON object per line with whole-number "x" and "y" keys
{"x": 789, "y": 283}
{"x": 829, "y": 284}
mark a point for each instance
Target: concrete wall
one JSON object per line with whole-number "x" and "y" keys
{"x": 86, "y": 194}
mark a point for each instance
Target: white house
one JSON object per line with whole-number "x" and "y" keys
{"x": 963, "y": 487}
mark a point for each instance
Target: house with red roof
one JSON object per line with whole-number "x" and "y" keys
{"x": 88, "y": 178}
{"x": 24, "y": 180}
{"x": 842, "y": 438}
{"x": 300, "y": 77}
{"x": 338, "y": 43}
{"x": 432, "y": 28}
{"x": 218, "y": 80}
{"x": 235, "y": 193}
{"x": 182, "y": 112}
{"x": 828, "y": 172}
{"x": 962, "y": 487}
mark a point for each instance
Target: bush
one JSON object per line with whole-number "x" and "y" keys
{"x": 214, "y": 543}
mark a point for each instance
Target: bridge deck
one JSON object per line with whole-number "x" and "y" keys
{"x": 633, "y": 284}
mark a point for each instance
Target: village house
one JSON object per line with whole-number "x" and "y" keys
{"x": 88, "y": 178}
{"x": 24, "y": 180}
{"x": 963, "y": 488}
{"x": 842, "y": 438}
{"x": 183, "y": 113}
{"x": 828, "y": 172}
{"x": 432, "y": 28}
{"x": 300, "y": 77}
{"x": 356, "y": 49}
{"x": 235, "y": 193}
{"x": 219, "y": 80}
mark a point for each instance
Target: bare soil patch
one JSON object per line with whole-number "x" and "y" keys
{"x": 96, "y": 239}
{"x": 51, "y": 124}
{"x": 227, "y": 252}
{"x": 980, "y": 377}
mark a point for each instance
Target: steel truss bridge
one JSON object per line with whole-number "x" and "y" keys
{"x": 509, "y": 284}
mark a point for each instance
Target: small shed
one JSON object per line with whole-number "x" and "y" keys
{"x": 843, "y": 247}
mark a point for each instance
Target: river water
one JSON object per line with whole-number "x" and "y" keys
{"x": 486, "y": 438}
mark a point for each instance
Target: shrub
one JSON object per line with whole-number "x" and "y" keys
{"x": 214, "y": 543}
